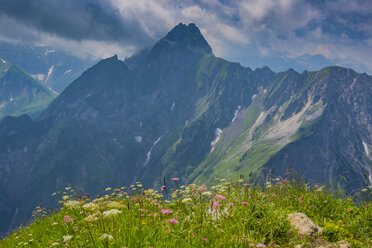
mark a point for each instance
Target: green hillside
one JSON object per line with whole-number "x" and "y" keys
{"x": 239, "y": 214}
{"x": 20, "y": 93}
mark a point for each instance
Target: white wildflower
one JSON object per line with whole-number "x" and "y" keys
{"x": 71, "y": 204}
{"x": 187, "y": 200}
{"x": 67, "y": 238}
{"x": 90, "y": 206}
{"x": 106, "y": 236}
{"x": 112, "y": 212}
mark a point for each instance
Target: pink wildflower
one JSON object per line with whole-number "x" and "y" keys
{"x": 260, "y": 245}
{"x": 166, "y": 211}
{"x": 216, "y": 204}
{"x": 348, "y": 209}
{"x": 163, "y": 187}
{"x": 175, "y": 179}
{"x": 252, "y": 245}
{"x": 245, "y": 184}
{"x": 245, "y": 203}
{"x": 231, "y": 204}
{"x": 68, "y": 219}
{"x": 205, "y": 239}
{"x": 173, "y": 221}
{"x": 220, "y": 197}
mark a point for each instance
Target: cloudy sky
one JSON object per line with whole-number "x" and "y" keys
{"x": 236, "y": 30}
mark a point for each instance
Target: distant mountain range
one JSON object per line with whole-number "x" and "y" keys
{"x": 53, "y": 67}
{"x": 305, "y": 62}
{"x": 176, "y": 110}
{"x": 20, "y": 93}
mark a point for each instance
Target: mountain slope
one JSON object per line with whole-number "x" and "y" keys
{"x": 178, "y": 111}
{"x": 20, "y": 93}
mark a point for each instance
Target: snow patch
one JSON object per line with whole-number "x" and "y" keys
{"x": 2, "y": 105}
{"x": 66, "y": 73}
{"x": 214, "y": 142}
{"x": 149, "y": 152}
{"x": 186, "y": 122}
{"x": 236, "y": 113}
{"x": 50, "y": 72}
{"x": 365, "y": 145}
{"x": 49, "y": 51}
{"x": 253, "y": 97}
{"x": 138, "y": 139}
{"x": 39, "y": 76}
{"x": 140, "y": 124}
{"x": 3, "y": 61}
{"x": 11, "y": 99}
{"x": 173, "y": 106}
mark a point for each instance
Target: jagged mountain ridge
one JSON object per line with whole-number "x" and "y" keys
{"x": 177, "y": 110}
{"x": 20, "y": 93}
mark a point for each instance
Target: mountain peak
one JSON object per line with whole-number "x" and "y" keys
{"x": 188, "y": 36}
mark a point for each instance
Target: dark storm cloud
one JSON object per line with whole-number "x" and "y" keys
{"x": 75, "y": 20}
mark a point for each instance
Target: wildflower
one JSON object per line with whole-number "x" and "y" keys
{"x": 245, "y": 185}
{"x": 205, "y": 239}
{"x": 71, "y": 204}
{"x": 245, "y": 203}
{"x": 166, "y": 211}
{"x": 260, "y": 245}
{"x": 55, "y": 244}
{"x": 106, "y": 236}
{"x": 67, "y": 238}
{"x": 268, "y": 185}
{"x": 68, "y": 219}
{"x": 207, "y": 193}
{"x": 163, "y": 187}
{"x": 65, "y": 197}
{"x": 90, "y": 218}
{"x": 54, "y": 223}
{"x": 216, "y": 204}
{"x": 364, "y": 190}
{"x": 187, "y": 200}
{"x": 312, "y": 206}
{"x": 107, "y": 189}
{"x": 252, "y": 245}
{"x": 220, "y": 197}
{"x": 90, "y": 206}
{"x": 110, "y": 213}
{"x": 175, "y": 179}
{"x": 348, "y": 209}
{"x": 231, "y": 203}
{"x": 173, "y": 221}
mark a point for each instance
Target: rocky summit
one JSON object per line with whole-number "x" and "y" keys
{"x": 176, "y": 110}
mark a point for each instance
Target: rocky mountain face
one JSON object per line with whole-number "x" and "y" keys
{"x": 176, "y": 110}
{"x": 53, "y": 67}
{"x": 20, "y": 93}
